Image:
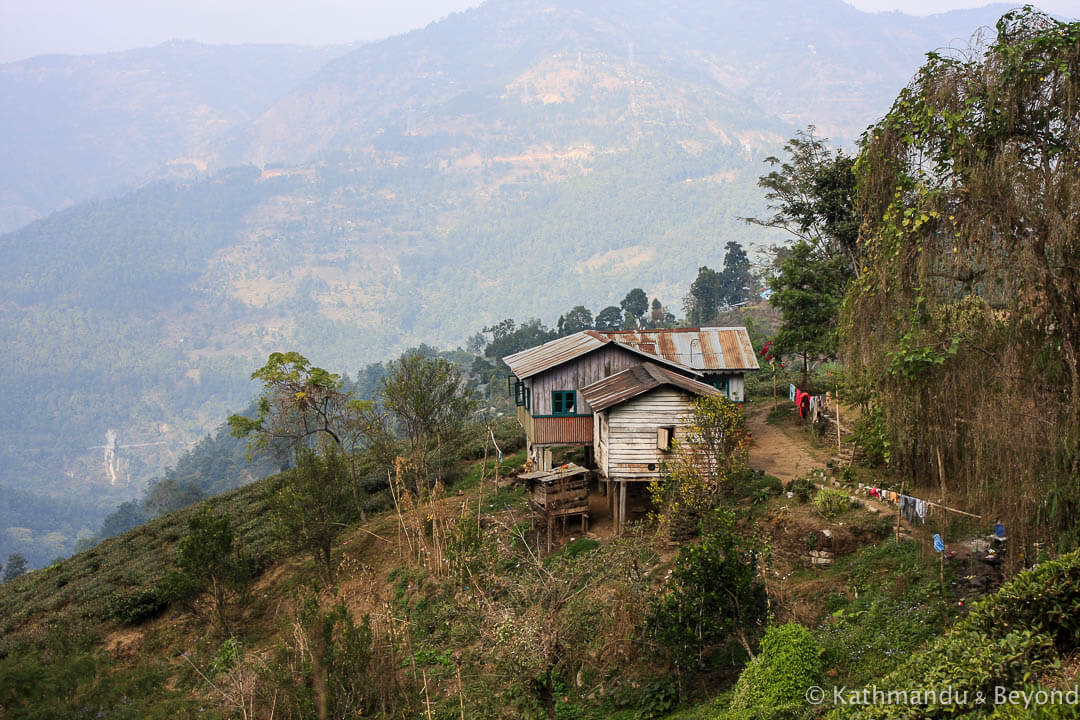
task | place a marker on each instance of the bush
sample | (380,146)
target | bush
(871,435)
(777,679)
(831,503)
(802,488)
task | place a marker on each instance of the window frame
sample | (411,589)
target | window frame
(558,400)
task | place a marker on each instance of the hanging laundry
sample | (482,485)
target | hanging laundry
(791,392)
(921,508)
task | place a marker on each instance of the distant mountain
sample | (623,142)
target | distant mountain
(510,161)
(76,128)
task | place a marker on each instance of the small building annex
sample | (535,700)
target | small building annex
(639,414)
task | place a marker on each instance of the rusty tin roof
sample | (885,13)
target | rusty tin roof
(707,349)
(534,360)
(630,383)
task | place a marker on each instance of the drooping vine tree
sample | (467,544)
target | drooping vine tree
(965,316)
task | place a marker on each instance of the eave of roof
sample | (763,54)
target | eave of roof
(553,353)
(638,380)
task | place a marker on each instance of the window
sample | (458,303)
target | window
(563,402)
(664,437)
(721,384)
(522,394)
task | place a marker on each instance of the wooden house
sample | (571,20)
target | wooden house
(547,382)
(722,355)
(638,414)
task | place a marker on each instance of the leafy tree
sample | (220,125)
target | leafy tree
(789,662)
(812,195)
(659,317)
(715,594)
(127,516)
(634,306)
(702,302)
(736,280)
(508,338)
(211,555)
(309,505)
(299,403)
(808,291)
(431,405)
(610,318)
(16,567)
(577,319)
(704,468)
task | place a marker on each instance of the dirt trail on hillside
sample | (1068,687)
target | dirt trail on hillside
(773,450)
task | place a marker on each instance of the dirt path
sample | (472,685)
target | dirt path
(773,450)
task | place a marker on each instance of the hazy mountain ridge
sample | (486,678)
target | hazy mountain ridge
(79,127)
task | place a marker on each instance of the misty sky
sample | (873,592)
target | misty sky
(35,27)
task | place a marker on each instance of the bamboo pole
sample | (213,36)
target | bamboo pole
(899,505)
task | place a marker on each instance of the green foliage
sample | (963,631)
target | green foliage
(213,558)
(430,404)
(16,566)
(310,505)
(830,502)
(705,466)
(715,594)
(964,304)
(1006,640)
(803,488)
(788,662)
(325,668)
(871,434)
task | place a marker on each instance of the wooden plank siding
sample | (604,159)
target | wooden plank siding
(576,374)
(630,433)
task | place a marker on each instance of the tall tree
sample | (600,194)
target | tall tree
(736,280)
(299,403)
(578,318)
(808,290)
(16,567)
(634,306)
(431,405)
(812,195)
(702,302)
(610,318)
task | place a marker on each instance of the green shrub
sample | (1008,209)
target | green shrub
(776,680)
(803,489)
(831,503)
(872,436)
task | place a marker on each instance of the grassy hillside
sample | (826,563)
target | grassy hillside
(438,609)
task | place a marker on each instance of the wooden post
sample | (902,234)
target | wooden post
(837,388)
(622,506)
(942,554)
(899,505)
(941,469)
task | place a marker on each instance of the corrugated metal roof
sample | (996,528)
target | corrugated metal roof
(554,352)
(634,381)
(535,360)
(707,349)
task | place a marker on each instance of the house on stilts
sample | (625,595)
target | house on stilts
(607,391)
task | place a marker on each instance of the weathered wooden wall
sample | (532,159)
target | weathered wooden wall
(578,373)
(630,435)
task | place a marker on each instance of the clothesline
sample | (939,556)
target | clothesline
(892,496)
